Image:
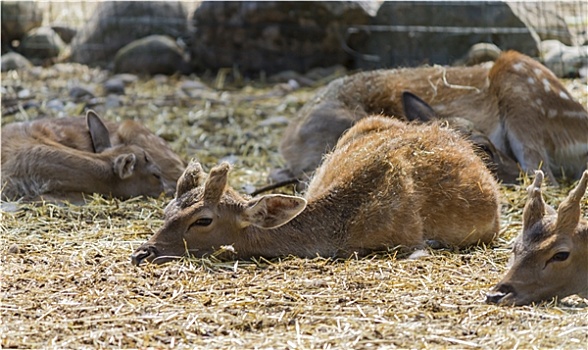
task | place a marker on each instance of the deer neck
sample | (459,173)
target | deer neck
(317,231)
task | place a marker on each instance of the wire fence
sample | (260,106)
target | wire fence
(566,21)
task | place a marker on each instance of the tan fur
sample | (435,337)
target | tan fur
(386,184)
(507,102)
(55,159)
(550,256)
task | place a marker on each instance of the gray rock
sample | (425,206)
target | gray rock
(411,33)
(56,105)
(114,86)
(126,78)
(564,61)
(155,54)
(65,32)
(273,36)
(24,94)
(548,19)
(112,101)
(79,93)
(479,53)
(14,61)
(115,24)
(41,43)
(18,18)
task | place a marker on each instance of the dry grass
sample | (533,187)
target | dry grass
(67,281)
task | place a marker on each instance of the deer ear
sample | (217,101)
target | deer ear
(568,212)
(190,178)
(124,165)
(272,211)
(535,207)
(417,109)
(98,132)
(216,183)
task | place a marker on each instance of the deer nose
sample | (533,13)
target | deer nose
(498,293)
(143,253)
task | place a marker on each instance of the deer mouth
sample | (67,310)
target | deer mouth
(501,294)
(143,253)
(498,297)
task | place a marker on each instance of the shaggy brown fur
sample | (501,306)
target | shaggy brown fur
(387,183)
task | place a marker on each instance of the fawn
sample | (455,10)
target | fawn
(60,159)
(387,183)
(516,103)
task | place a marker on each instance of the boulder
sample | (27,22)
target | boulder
(115,24)
(412,33)
(14,61)
(18,18)
(274,36)
(41,43)
(155,54)
(65,32)
(479,53)
(547,19)
(563,60)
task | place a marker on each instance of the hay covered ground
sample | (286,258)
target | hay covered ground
(67,280)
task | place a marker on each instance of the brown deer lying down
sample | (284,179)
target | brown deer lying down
(550,257)
(61,159)
(386,184)
(516,103)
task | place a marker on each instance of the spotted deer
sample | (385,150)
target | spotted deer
(516,103)
(550,256)
(60,159)
(386,184)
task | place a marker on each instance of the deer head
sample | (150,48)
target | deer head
(207,214)
(172,166)
(550,257)
(135,171)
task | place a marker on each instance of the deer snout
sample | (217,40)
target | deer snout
(144,252)
(500,294)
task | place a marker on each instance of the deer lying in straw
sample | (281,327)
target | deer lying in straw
(516,103)
(386,184)
(550,257)
(61,159)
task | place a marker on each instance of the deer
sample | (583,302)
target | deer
(550,256)
(386,184)
(64,158)
(515,105)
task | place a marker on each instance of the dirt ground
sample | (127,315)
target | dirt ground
(67,280)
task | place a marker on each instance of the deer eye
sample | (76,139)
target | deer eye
(202,222)
(561,256)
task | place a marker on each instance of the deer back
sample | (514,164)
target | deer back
(399,172)
(550,256)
